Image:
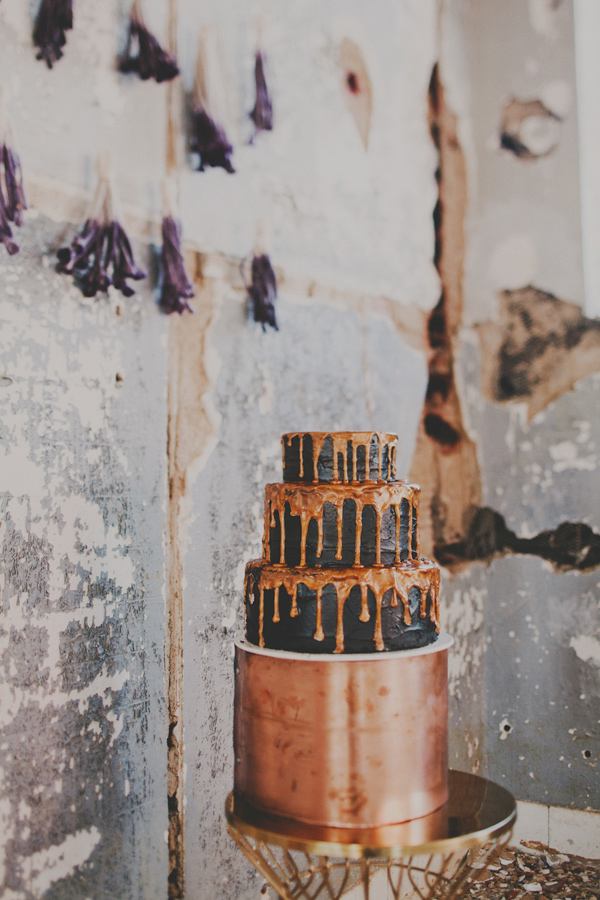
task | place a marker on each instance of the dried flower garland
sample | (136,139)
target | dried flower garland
(143,54)
(54,18)
(101,254)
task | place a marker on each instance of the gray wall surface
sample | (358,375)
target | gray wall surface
(430,283)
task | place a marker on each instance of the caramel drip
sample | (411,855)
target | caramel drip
(294,609)
(261,618)
(410,530)
(397,515)
(415,503)
(423,574)
(282,529)
(320,540)
(304,521)
(319,634)
(339,631)
(276,604)
(405,605)
(317,447)
(266,550)
(378,636)
(378,541)
(340,524)
(364,603)
(359,525)
(308,502)
(340,442)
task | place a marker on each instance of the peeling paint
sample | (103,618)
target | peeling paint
(540,348)
(587,648)
(529,129)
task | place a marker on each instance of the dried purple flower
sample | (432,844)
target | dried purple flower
(12,196)
(263,291)
(53,19)
(262,114)
(207,137)
(13,182)
(150,60)
(101,254)
(209,141)
(6,231)
(176,288)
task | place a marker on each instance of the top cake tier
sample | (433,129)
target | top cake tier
(342,457)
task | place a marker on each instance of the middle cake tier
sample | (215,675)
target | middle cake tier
(316,610)
(341,525)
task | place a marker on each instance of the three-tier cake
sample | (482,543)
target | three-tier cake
(341,684)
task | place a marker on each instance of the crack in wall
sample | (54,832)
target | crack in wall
(445,461)
(571,546)
(192,428)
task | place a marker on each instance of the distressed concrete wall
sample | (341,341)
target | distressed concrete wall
(82,744)
(430,284)
(83,493)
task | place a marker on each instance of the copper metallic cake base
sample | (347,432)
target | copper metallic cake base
(342,740)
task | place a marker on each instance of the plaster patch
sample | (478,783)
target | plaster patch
(587,648)
(542,16)
(514,263)
(265,401)
(108,94)
(557,96)
(43,868)
(565,458)
(270,452)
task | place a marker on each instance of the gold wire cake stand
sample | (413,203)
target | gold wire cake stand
(437,856)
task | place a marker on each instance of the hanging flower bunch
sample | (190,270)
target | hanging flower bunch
(54,18)
(176,288)
(143,54)
(12,195)
(263,291)
(101,254)
(262,114)
(207,136)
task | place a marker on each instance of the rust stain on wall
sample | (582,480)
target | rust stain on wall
(190,429)
(540,348)
(357,87)
(445,462)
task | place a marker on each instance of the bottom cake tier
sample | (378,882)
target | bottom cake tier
(355,610)
(342,740)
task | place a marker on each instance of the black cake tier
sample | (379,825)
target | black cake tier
(343,611)
(338,526)
(344,456)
